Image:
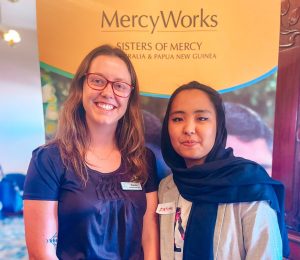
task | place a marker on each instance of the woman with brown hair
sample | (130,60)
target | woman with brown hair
(89,193)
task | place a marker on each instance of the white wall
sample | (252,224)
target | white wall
(21,111)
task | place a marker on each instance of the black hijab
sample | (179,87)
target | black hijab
(223,178)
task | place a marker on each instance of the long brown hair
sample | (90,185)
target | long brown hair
(73,135)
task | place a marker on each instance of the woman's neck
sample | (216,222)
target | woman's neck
(103,153)
(102,140)
(102,136)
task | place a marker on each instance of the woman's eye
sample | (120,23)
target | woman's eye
(176,119)
(97,81)
(202,118)
(119,86)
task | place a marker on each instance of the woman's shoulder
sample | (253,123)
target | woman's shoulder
(47,149)
(166,183)
(45,174)
(152,181)
(256,208)
(47,152)
(149,154)
(167,190)
(150,159)
(167,180)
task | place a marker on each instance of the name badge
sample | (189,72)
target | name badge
(166,208)
(131,186)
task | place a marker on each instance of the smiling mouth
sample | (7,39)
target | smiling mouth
(106,107)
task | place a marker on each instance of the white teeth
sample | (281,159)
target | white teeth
(105,106)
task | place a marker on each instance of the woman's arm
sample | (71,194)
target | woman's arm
(150,239)
(41,227)
(261,234)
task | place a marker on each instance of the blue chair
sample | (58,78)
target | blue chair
(11,191)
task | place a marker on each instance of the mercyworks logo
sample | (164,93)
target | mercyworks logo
(165,21)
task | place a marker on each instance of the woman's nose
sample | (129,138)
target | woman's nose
(108,90)
(189,128)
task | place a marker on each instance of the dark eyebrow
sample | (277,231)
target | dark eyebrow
(201,111)
(204,111)
(177,112)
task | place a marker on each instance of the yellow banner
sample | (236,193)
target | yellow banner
(220,43)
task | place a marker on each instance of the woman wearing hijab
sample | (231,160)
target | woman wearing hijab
(214,205)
